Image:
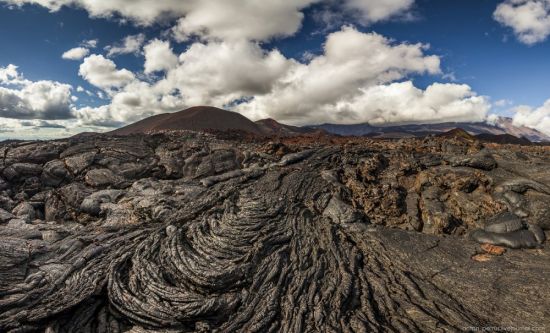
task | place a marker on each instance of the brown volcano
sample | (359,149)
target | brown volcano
(194,119)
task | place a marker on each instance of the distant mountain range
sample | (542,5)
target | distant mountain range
(203,118)
(502,126)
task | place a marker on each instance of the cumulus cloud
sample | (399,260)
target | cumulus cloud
(207,73)
(219,73)
(91,43)
(402,102)
(537,118)
(159,56)
(359,77)
(99,116)
(23,99)
(76,53)
(9,74)
(241,19)
(213,18)
(37,129)
(352,81)
(220,19)
(143,12)
(492,118)
(41,124)
(530,19)
(8,125)
(332,14)
(103,73)
(236,19)
(371,11)
(352,60)
(130,44)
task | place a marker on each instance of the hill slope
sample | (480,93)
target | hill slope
(193,119)
(273,127)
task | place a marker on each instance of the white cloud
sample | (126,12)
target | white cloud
(492,118)
(82,90)
(9,74)
(235,19)
(38,129)
(159,56)
(352,61)
(228,20)
(221,19)
(359,77)
(134,102)
(240,19)
(404,103)
(207,73)
(219,73)
(538,118)
(371,11)
(143,12)
(255,19)
(91,43)
(76,53)
(530,19)
(25,99)
(332,14)
(353,81)
(130,44)
(102,73)
(502,103)
(100,116)
(41,124)
(9,125)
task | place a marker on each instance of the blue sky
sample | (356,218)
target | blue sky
(499,54)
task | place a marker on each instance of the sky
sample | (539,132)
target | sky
(69,66)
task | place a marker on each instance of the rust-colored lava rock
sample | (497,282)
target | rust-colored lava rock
(482,257)
(196,232)
(493,249)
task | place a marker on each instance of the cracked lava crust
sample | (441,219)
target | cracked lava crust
(192,232)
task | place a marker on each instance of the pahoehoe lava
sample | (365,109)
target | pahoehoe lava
(189,232)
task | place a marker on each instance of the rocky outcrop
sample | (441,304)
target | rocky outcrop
(188,232)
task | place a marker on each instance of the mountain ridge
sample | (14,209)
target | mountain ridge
(204,118)
(501,126)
